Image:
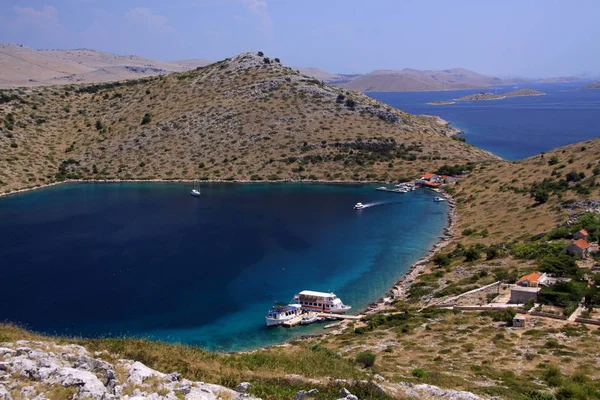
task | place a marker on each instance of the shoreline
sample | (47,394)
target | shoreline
(77,181)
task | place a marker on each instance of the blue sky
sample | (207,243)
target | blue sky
(532,38)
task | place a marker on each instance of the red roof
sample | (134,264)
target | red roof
(584,232)
(432,184)
(582,244)
(533,277)
(428,175)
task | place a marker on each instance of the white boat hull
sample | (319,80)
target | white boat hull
(195,193)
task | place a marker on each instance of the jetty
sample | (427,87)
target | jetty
(340,316)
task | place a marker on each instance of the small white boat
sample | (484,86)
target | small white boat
(320,302)
(310,318)
(196,190)
(359,206)
(438,199)
(381,188)
(282,313)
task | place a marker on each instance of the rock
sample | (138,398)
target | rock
(88,383)
(173,377)
(379,378)
(4,395)
(200,394)
(243,387)
(303,394)
(346,395)
(138,373)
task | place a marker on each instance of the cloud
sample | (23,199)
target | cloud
(254,4)
(145,17)
(259,9)
(44,18)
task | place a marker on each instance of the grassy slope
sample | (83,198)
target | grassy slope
(487,199)
(238,118)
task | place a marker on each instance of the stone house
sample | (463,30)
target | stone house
(520,294)
(579,248)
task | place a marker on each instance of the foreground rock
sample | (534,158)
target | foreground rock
(42,370)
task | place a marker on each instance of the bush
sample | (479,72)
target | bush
(528,305)
(553,160)
(260,54)
(552,375)
(471,254)
(350,103)
(340,98)
(442,260)
(366,358)
(419,373)
(99,125)
(573,177)
(147,118)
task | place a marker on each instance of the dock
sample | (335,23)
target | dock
(340,316)
(293,322)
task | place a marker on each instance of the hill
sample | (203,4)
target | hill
(24,66)
(409,80)
(593,85)
(561,79)
(246,118)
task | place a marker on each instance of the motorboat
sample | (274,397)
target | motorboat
(439,199)
(359,206)
(320,302)
(195,192)
(310,318)
(281,313)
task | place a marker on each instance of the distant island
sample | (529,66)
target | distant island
(593,85)
(493,96)
(441,102)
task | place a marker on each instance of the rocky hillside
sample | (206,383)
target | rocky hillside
(46,370)
(412,80)
(23,66)
(516,200)
(248,117)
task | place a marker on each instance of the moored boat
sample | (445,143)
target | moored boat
(280,313)
(439,199)
(321,302)
(310,318)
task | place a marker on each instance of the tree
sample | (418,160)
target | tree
(540,195)
(553,160)
(442,260)
(98,125)
(573,177)
(350,103)
(147,118)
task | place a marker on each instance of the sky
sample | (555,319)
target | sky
(526,38)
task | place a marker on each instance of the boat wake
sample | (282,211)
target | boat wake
(380,203)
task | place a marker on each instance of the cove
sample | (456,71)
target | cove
(148,260)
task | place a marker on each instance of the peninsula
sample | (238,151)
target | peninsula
(493,96)
(593,85)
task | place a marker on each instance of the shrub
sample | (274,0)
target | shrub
(340,98)
(442,260)
(573,177)
(99,125)
(366,358)
(553,160)
(528,305)
(552,375)
(147,118)
(419,373)
(350,103)
(471,254)
(260,54)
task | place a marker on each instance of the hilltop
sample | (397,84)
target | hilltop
(593,85)
(24,66)
(412,80)
(245,118)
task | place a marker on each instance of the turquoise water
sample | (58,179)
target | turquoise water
(151,261)
(515,127)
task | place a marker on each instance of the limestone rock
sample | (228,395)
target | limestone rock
(304,394)
(4,395)
(243,387)
(346,395)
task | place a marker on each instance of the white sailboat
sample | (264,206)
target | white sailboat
(196,190)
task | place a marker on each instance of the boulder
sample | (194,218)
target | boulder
(243,387)
(4,395)
(304,394)
(138,373)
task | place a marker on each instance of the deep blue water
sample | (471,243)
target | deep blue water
(149,260)
(515,127)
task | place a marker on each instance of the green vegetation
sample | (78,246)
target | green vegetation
(146,120)
(366,358)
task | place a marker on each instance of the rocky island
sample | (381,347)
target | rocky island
(441,102)
(494,96)
(593,85)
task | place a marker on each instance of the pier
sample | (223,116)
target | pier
(340,316)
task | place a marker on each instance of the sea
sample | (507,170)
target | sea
(515,127)
(149,260)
